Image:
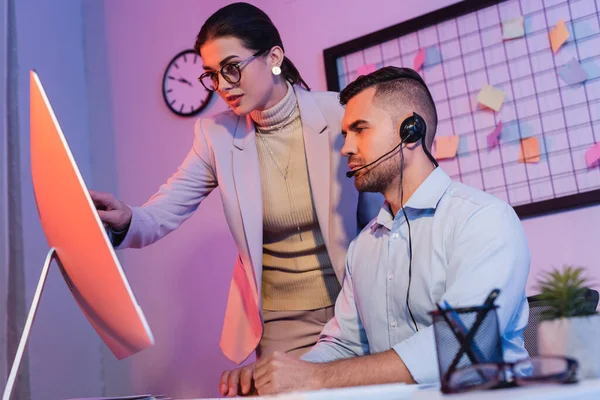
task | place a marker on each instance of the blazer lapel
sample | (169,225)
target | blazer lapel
(318,157)
(246,176)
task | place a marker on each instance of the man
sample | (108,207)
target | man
(464,243)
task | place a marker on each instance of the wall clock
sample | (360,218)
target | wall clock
(183,94)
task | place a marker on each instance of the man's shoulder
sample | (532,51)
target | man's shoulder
(461,193)
(465,202)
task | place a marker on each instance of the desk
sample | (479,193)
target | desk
(586,390)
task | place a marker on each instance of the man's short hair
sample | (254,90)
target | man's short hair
(392,86)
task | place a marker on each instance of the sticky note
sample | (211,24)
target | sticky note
(366,69)
(419,60)
(513,28)
(494,137)
(491,97)
(530,150)
(433,56)
(572,72)
(446,147)
(558,35)
(592,156)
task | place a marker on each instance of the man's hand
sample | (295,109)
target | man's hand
(237,381)
(280,372)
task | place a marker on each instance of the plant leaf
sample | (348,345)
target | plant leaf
(563,293)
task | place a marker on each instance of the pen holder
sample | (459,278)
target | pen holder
(465,336)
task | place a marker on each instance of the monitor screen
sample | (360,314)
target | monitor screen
(73,228)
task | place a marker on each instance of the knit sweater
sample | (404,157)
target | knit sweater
(297,272)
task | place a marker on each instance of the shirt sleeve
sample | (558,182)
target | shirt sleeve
(488,251)
(117,237)
(344,335)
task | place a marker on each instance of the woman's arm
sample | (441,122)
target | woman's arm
(176,200)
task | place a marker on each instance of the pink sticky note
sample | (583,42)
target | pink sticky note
(419,59)
(493,138)
(592,156)
(366,69)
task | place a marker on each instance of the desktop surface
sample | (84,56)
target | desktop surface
(585,390)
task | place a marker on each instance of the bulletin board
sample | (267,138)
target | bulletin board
(464,49)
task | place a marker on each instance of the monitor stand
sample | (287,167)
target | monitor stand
(32,311)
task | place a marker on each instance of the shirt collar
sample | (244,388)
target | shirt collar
(427,196)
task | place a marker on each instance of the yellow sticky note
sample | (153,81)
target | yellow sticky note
(530,150)
(446,147)
(558,35)
(491,97)
(513,28)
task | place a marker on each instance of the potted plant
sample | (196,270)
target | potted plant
(569,326)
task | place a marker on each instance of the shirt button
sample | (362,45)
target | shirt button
(395,236)
(393,323)
(391,276)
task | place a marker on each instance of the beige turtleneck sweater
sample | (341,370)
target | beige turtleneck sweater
(297,273)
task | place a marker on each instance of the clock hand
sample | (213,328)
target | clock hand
(183,80)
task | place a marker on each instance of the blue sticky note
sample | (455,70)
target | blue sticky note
(433,56)
(463,147)
(592,68)
(572,72)
(513,131)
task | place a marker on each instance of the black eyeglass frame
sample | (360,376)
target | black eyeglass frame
(568,376)
(214,75)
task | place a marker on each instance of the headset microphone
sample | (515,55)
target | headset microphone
(350,174)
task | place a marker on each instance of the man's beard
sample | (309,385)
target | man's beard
(379,176)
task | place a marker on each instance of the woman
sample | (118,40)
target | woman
(275,156)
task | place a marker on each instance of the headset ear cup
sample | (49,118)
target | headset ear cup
(412,129)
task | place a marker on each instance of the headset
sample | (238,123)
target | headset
(412,130)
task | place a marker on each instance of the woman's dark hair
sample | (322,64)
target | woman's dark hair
(254,28)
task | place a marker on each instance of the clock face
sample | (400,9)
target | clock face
(182,92)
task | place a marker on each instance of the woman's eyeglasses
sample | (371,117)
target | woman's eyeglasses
(231,72)
(530,371)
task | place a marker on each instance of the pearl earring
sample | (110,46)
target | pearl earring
(276,70)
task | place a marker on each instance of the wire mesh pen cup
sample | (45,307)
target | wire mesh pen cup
(464,337)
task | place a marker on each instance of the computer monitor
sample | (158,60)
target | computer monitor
(78,241)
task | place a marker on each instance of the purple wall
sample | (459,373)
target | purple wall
(182,281)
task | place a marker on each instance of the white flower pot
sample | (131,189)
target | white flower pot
(577,337)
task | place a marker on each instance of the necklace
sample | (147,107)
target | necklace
(284,171)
